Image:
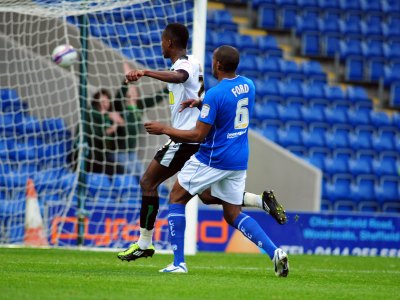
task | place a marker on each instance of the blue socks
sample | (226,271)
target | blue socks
(250,229)
(177,225)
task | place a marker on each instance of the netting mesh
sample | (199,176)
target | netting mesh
(45,133)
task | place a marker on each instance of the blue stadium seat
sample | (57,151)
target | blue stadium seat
(246,65)
(336,96)
(351,28)
(373,49)
(270,131)
(354,69)
(312,70)
(310,44)
(372,29)
(270,67)
(358,96)
(340,193)
(384,141)
(338,139)
(267,44)
(351,7)
(392,30)
(372,7)
(375,70)
(290,69)
(221,19)
(361,139)
(55,128)
(287,13)
(313,139)
(380,119)
(312,114)
(387,192)
(10,102)
(330,45)
(361,165)
(289,113)
(392,52)
(350,49)
(292,91)
(265,111)
(267,17)
(98,185)
(246,44)
(336,165)
(364,194)
(290,138)
(391,8)
(395,95)
(314,93)
(336,115)
(305,24)
(329,7)
(388,164)
(359,117)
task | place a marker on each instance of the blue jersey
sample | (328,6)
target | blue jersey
(227,107)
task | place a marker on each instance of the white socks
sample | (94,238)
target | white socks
(252,200)
(145,238)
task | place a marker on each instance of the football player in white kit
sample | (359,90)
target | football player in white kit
(184,81)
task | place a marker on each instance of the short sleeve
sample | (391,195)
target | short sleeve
(209,108)
(184,64)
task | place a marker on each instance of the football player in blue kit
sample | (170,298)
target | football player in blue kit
(218,169)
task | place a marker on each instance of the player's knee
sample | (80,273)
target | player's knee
(229,217)
(147,184)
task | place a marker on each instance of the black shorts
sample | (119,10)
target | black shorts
(174,155)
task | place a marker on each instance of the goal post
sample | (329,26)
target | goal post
(43,128)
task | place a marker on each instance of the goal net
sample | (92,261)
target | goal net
(52,122)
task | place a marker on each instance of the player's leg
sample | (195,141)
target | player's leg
(266,201)
(231,188)
(154,175)
(177,225)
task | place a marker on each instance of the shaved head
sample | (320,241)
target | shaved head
(228,57)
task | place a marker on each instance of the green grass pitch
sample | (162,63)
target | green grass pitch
(70,274)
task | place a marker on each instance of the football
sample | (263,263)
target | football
(65,55)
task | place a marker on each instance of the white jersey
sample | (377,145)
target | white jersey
(179,92)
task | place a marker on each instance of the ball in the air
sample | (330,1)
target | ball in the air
(65,55)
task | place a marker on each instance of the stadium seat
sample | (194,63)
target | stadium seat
(336,165)
(291,91)
(310,44)
(380,119)
(354,69)
(246,44)
(289,113)
(361,165)
(361,139)
(336,115)
(287,13)
(340,193)
(375,70)
(221,19)
(388,164)
(359,117)
(267,17)
(313,71)
(312,114)
(98,185)
(387,192)
(270,66)
(314,93)
(10,101)
(351,48)
(267,44)
(358,96)
(384,141)
(338,139)
(395,95)
(266,111)
(291,137)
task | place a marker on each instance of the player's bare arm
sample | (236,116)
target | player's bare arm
(196,135)
(178,76)
(190,103)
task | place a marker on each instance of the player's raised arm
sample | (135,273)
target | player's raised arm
(178,76)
